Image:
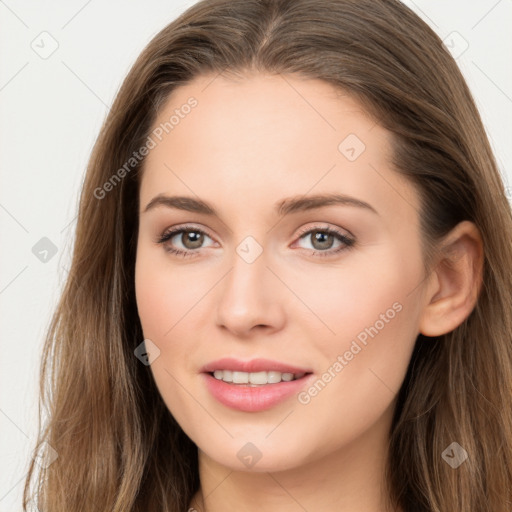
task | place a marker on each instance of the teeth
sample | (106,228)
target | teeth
(273,377)
(255,378)
(240,378)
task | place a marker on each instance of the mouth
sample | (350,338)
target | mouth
(249,397)
(256,385)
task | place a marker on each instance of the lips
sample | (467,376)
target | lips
(251,397)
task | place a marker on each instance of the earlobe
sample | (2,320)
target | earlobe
(454,286)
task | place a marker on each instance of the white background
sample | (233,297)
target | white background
(52,110)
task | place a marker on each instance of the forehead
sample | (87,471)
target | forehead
(266,110)
(266,137)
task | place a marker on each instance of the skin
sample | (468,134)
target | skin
(250,143)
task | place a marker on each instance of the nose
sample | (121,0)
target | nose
(250,298)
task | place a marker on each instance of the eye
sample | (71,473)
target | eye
(324,239)
(190,238)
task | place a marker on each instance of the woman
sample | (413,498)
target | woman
(291,284)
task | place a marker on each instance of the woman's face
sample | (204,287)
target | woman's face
(270,269)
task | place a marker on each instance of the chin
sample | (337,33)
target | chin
(257,456)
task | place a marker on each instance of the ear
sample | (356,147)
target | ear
(455,281)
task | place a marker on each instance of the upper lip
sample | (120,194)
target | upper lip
(254,365)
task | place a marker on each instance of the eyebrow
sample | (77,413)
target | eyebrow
(283,207)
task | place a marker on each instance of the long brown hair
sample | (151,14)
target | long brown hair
(119,448)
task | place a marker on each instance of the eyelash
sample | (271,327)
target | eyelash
(167,235)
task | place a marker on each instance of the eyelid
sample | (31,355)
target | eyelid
(185,227)
(325,227)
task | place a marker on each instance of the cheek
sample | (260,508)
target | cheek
(163,300)
(363,293)
(173,308)
(162,296)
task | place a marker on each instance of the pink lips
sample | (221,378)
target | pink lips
(247,398)
(254,365)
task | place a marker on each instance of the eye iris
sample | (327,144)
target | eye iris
(324,238)
(192,237)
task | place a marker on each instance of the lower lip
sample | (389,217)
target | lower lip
(253,399)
